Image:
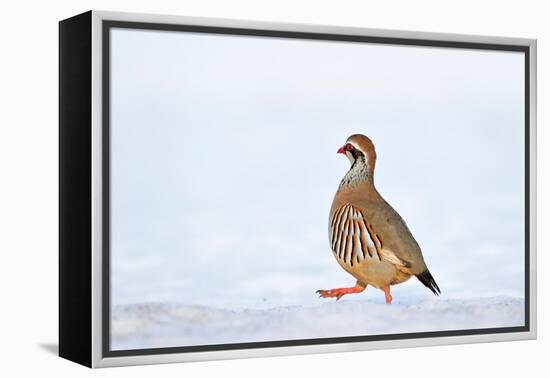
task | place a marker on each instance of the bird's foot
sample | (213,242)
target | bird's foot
(340,292)
(387,294)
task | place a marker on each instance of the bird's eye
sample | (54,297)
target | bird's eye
(349,147)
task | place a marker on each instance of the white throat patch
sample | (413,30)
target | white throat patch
(350,157)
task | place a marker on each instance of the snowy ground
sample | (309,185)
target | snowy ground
(165,325)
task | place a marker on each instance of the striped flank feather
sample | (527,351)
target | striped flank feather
(352,239)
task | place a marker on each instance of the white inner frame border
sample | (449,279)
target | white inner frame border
(97,343)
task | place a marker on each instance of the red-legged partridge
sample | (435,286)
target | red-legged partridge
(368,238)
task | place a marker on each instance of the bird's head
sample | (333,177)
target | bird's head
(359,148)
(360,151)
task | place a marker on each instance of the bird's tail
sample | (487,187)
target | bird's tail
(427,279)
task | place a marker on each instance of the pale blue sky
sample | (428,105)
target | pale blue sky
(224,164)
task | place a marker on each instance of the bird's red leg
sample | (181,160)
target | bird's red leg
(340,292)
(387,294)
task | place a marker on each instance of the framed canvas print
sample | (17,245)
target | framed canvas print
(235,189)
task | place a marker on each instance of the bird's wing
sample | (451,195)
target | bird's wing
(353,238)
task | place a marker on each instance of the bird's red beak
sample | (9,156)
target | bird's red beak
(342,150)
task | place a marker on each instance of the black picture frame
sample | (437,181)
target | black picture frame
(76,181)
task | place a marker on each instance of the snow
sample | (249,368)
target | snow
(157,325)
